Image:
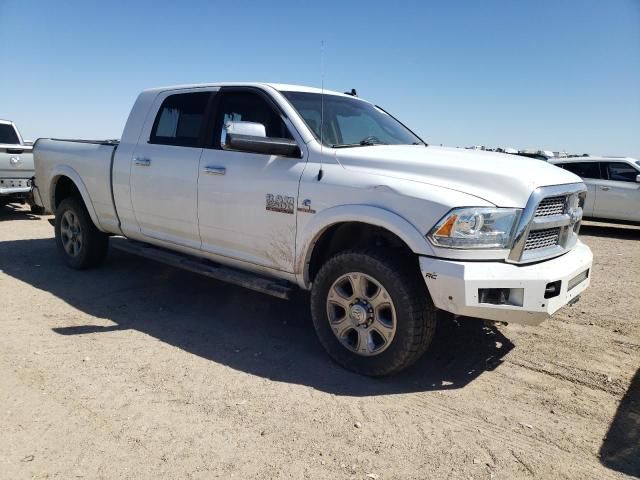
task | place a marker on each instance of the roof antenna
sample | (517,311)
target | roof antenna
(320,172)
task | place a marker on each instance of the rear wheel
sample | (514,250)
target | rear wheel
(372,313)
(81,244)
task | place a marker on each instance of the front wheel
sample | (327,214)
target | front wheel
(81,244)
(372,314)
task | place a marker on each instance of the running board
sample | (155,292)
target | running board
(251,281)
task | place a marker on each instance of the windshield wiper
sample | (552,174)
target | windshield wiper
(344,145)
(362,144)
(365,142)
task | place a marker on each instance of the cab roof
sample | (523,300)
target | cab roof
(281,87)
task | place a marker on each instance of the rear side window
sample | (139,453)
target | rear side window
(180,120)
(622,172)
(8,134)
(584,169)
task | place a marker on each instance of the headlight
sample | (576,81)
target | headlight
(479,227)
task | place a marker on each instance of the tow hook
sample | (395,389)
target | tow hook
(573,301)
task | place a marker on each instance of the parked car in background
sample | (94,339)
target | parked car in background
(613,185)
(543,155)
(16,165)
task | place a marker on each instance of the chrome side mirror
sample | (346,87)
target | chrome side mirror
(251,129)
(251,137)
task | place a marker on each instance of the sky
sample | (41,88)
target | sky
(543,74)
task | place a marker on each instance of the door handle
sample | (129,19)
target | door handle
(604,188)
(215,170)
(142,162)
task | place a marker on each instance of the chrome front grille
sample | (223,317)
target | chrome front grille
(551,206)
(549,223)
(548,237)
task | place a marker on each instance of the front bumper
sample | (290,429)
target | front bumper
(454,286)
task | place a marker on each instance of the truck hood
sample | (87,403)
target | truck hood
(502,179)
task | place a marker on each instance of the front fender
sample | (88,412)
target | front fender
(66,171)
(380,217)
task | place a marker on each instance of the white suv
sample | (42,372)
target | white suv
(613,185)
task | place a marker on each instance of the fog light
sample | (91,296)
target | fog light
(501,296)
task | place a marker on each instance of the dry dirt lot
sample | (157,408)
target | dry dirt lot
(137,370)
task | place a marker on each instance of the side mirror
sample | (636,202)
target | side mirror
(251,137)
(637,178)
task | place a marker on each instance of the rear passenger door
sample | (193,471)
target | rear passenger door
(592,177)
(165,165)
(618,194)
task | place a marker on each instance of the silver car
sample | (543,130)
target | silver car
(613,185)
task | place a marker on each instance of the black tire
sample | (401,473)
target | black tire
(92,249)
(415,315)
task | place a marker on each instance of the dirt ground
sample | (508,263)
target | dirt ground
(137,370)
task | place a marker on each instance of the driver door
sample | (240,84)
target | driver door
(247,201)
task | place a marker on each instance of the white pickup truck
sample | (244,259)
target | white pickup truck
(16,164)
(278,186)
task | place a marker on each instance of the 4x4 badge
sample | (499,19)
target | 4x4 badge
(306,207)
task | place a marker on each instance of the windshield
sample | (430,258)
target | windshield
(8,134)
(350,122)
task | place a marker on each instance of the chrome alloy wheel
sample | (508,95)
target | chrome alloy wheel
(71,233)
(361,314)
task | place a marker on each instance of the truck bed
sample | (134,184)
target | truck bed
(88,164)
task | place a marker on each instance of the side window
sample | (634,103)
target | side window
(584,169)
(250,107)
(180,119)
(622,172)
(8,134)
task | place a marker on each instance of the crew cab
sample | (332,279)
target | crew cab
(613,184)
(16,164)
(277,187)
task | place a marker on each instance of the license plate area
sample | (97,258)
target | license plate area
(577,280)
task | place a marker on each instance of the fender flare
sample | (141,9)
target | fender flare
(67,171)
(377,216)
